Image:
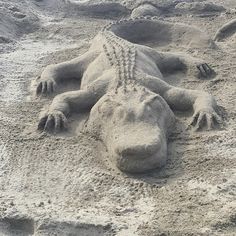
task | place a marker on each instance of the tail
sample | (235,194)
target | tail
(160,33)
(226,30)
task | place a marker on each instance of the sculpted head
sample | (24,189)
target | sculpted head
(133,126)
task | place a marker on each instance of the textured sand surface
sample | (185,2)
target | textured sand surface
(65,184)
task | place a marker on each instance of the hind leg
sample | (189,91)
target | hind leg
(56,74)
(171,62)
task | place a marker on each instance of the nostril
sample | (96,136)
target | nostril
(139,151)
(128,152)
(130,116)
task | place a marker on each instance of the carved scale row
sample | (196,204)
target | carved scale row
(122,55)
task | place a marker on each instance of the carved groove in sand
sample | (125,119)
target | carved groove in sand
(123,85)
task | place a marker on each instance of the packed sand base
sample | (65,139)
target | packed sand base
(66,184)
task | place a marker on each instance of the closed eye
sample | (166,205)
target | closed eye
(154,103)
(151,100)
(107,107)
(120,112)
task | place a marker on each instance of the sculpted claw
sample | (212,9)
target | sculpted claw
(205,119)
(42,123)
(54,121)
(205,71)
(46,87)
(39,88)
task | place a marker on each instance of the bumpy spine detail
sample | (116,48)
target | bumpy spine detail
(111,25)
(122,55)
(120,52)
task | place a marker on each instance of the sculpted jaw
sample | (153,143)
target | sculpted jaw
(141,159)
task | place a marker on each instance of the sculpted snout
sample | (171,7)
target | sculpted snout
(140,151)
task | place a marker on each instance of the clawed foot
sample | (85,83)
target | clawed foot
(54,121)
(205,71)
(205,119)
(46,87)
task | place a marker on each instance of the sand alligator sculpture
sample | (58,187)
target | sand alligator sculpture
(122,84)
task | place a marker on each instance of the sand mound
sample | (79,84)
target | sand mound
(16,19)
(22,226)
(170,8)
(145,10)
(199,7)
(52,7)
(93,8)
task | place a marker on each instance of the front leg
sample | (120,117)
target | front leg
(56,74)
(203,104)
(55,119)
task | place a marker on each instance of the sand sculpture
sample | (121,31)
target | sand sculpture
(122,83)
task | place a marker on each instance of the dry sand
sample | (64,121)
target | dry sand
(65,184)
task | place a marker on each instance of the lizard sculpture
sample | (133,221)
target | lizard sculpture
(122,83)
